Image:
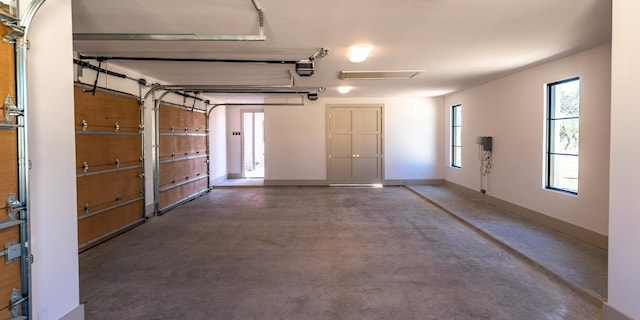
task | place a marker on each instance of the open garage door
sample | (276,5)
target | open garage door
(183,165)
(109,165)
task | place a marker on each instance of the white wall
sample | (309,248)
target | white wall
(55,281)
(218,144)
(511,110)
(296,139)
(624,219)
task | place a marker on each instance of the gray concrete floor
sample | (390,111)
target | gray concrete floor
(315,253)
(578,264)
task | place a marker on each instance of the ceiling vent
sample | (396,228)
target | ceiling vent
(379,75)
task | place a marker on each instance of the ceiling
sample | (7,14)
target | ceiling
(457,43)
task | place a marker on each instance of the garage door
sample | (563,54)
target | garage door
(183,166)
(13,228)
(109,165)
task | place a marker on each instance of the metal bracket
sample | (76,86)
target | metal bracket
(117,163)
(13,206)
(86,207)
(117,127)
(11,21)
(16,300)
(85,167)
(173,129)
(186,129)
(10,109)
(85,125)
(118,198)
(13,252)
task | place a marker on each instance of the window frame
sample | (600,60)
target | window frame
(550,134)
(456,149)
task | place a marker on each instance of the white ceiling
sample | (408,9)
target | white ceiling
(458,43)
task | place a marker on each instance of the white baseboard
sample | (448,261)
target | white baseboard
(75,314)
(611,313)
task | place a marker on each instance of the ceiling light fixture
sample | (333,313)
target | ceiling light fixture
(344,89)
(359,53)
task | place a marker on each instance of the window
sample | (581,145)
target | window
(456,136)
(563,123)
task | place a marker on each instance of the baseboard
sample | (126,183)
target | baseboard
(407,182)
(594,238)
(75,314)
(611,313)
(234,176)
(218,180)
(310,183)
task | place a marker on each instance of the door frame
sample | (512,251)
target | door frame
(329,107)
(242,130)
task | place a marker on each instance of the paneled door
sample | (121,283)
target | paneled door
(355,144)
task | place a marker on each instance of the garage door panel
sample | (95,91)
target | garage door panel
(178,171)
(96,226)
(103,111)
(104,190)
(8,167)
(110,190)
(171,196)
(9,273)
(101,152)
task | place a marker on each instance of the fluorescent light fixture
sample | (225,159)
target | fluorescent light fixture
(344,89)
(359,53)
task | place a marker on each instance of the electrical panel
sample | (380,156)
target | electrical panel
(485,142)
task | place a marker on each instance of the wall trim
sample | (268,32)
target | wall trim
(75,314)
(217,180)
(408,182)
(234,176)
(594,238)
(611,313)
(277,182)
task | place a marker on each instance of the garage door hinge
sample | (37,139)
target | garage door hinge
(16,300)
(10,109)
(13,252)
(13,206)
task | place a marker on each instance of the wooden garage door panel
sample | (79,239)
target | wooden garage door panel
(101,190)
(195,122)
(190,145)
(178,171)
(100,152)
(179,146)
(171,117)
(169,197)
(98,225)
(181,120)
(7,70)
(9,273)
(103,111)
(8,168)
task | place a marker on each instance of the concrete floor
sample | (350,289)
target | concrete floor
(580,265)
(315,253)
